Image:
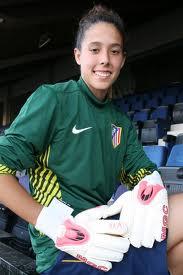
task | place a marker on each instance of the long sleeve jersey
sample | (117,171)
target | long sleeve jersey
(75,148)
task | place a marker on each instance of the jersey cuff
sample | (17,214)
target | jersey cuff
(6,170)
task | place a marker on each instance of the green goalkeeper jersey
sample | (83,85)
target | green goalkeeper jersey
(75,148)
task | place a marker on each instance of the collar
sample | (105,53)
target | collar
(84,88)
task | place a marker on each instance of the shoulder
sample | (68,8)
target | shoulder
(54,92)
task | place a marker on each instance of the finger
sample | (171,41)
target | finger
(137,226)
(149,226)
(92,213)
(128,214)
(113,227)
(116,207)
(104,254)
(111,243)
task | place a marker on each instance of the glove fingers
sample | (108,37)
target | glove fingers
(104,254)
(148,237)
(127,215)
(113,227)
(116,207)
(111,243)
(137,227)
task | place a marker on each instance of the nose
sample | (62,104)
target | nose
(104,58)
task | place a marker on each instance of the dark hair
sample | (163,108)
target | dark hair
(98,13)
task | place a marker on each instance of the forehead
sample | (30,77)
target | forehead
(102,32)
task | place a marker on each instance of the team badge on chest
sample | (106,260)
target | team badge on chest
(116,135)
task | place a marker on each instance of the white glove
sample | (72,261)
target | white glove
(93,241)
(144,211)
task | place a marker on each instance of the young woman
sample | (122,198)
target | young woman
(75,144)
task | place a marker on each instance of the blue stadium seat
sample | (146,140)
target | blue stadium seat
(137,105)
(176,156)
(161,112)
(154,102)
(169,100)
(153,130)
(157,154)
(172,173)
(141,115)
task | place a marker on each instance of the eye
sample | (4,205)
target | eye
(94,50)
(115,51)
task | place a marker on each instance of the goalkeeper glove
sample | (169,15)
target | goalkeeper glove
(144,211)
(93,241)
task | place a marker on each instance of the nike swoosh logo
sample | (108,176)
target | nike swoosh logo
(77,131)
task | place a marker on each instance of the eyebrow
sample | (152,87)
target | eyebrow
(99,43)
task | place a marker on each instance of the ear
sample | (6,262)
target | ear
(123,61)
(77,55)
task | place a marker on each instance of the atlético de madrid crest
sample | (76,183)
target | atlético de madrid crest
(116,135)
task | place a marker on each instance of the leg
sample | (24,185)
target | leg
(175,234)
(175,259)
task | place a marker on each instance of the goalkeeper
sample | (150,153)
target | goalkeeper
(75,144)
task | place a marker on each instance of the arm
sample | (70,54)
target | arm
(57,222)
(16,198)
(19,147)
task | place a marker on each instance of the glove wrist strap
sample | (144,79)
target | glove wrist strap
(51,217)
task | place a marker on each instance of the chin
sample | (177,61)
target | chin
(102,86)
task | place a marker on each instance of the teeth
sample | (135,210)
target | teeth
(102,74)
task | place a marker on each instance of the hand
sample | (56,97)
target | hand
(144,211)
(86,237)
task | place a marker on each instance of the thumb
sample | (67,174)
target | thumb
(116,207)
(91,214)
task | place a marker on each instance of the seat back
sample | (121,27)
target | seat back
(157,154)
(176,156)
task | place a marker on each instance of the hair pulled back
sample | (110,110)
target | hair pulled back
(97,14)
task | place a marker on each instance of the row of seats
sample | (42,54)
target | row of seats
(166,96)
(159,155)
(158,124)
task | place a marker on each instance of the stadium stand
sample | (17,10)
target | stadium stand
(157,116)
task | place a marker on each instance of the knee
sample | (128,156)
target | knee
(175,221)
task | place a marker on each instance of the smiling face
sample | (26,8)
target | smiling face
(100,58)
